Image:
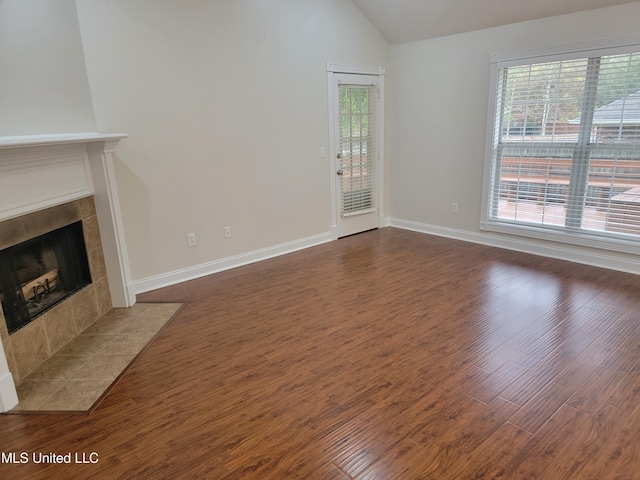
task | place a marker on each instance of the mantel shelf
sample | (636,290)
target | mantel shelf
(58,139)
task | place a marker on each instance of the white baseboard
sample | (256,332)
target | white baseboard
(190,273)
(597,259)
(602,260)
(8,394)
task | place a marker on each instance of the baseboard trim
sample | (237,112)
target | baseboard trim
(602,260)
(191,273)
(8,394)
(517,244)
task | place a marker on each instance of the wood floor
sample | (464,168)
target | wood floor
(387,355)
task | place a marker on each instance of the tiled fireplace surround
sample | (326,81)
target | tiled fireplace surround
(33,344)
(47,182)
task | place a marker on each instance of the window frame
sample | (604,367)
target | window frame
(579,237)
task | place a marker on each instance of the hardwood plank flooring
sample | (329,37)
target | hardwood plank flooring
(386,355)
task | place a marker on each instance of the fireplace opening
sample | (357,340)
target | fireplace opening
(39,273)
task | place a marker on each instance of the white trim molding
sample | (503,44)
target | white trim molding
(216,266)
(8,394)
(22,141)
(354,69)
(61,173)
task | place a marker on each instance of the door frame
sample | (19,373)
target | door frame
(334,69)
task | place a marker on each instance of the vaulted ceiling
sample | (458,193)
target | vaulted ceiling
(402,21)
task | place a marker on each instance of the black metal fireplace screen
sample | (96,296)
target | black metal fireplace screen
(37,274)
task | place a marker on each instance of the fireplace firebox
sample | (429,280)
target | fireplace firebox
(39,273)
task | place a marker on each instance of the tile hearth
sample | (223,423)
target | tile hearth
(80,372)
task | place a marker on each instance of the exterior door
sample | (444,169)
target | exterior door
(356,151)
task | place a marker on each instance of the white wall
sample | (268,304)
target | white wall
(43,81)
(226,110)
(439,98)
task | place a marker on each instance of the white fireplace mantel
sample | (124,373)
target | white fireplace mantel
(58,139)
(42,171)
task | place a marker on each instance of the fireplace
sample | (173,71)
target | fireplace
(46,244)
(37,274)
(48,182)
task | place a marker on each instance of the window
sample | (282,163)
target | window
(357,136)
(564,161)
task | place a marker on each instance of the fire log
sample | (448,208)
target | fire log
(40,285)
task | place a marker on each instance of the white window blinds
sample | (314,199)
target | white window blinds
(357,148)
(566,146)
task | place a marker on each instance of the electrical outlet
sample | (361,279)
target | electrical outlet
(454,208)
(227,232)
(191,239)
